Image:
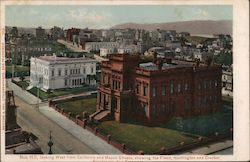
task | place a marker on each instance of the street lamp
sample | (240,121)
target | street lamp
(50,143)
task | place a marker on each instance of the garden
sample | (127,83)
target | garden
(79,105)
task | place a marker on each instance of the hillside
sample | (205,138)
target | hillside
(199,27)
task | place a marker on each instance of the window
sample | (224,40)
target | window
(66,72)
(155,110)
(205,84)
(215,83)
(59,72)
(119,84)
(52,72)
(210,99)
(163,107)
(216,99)
(199,101)
(186,86)
(210,84)
(137,88)
(92,70)
(199,86)
(163,90)
(146,109)
(154,91)
(84,70)
(65,82)
(172,106)
(145,90)
(171,88)
(186,107)
(179,87)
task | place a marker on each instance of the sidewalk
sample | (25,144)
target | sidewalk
(94,142)
(209,149)
(23,94)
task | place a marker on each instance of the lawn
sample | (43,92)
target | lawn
(78,106)
(54,93)
(59,49)
(18,70)
(60,92)
(23,84)
(42,95)
(205,125)
(148,139)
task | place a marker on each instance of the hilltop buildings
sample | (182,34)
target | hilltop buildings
(155,90)
(52,72)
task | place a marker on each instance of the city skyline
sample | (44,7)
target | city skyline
(106,16)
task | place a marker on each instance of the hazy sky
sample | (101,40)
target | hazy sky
(106,16)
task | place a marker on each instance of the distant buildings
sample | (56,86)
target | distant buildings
(52,72)
(96,46)
(227,80)
(71,32)
(151,91)
(105,51)
(57,33)
(40,33)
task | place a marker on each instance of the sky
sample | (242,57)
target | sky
(106,16)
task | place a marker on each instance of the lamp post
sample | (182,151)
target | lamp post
(50,143)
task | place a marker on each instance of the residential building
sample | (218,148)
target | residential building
(96,46)
(40,33)
(227,80)
(156,90)
(105,51)
(52,72)
(71,32)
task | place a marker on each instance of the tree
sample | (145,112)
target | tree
(22,76)
(179,123)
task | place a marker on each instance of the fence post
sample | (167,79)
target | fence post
(200,139)
(163,150)
(84,123)
(123,147)
(69,114)
(141,152)
(109,138)
(96,130)
(77,117)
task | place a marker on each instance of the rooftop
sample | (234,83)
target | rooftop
(150,66)
(55,58)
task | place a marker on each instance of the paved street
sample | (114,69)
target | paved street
(92,141)
(67,136)
(70,46)
(32,120)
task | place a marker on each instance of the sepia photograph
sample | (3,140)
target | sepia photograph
(124,81)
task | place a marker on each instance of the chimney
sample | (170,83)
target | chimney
(197,61)
(159,64)
(168,60)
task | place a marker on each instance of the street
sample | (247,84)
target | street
(30,119)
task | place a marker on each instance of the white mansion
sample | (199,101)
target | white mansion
(52,72)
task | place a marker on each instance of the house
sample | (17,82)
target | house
(156,90)
(52,72)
